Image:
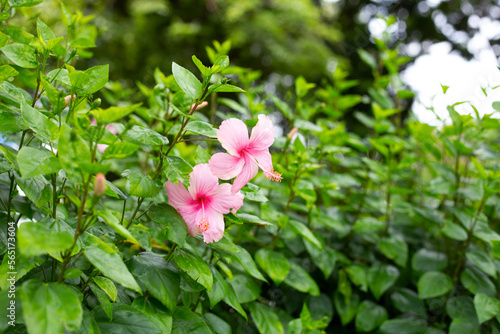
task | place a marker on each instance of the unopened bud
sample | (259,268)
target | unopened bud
(100,184)
(292,133)
(67,100)
(95,104)
(199,106)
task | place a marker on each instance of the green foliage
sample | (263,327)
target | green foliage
(393,230)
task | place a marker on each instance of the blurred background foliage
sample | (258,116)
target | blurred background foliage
(299,37)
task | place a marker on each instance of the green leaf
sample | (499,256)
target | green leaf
(205,71)
(358,276)
(44,31)
(113,191)
(11,122)
(177,169)
(33,162)
(37,189)
(202,128)
(73,152)
(24,3)
(111,218)
(126,320)
(22,55)
(98,76)
(461,307)
(225,88)
(219,288)
(140,185)
(157,276)
(194,266)
(141,135)
(394,248)
(4,39)
(7,72)
(406,325)
(103,300)
(454,231)
(109,262)
(407,301)
(486,307)
(216,324)
(36,239)
(48,307)
(120,150)
(305,232)
(156,312)
(370,316)
(463,326)
(186,321)
(39,123)
(368,59)
(231,299)
(187,81)
(56,96)
(346,308)
(476,281)
(245,259)
(274,264)
(245,288)
(482,260)
(427,260)
(325,258)
(169,218)
(381,278)
(300,280)
(107,285)
(113,114)
(266,321)
(433,284)
(220,63)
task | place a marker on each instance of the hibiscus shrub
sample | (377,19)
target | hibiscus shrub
(203,206)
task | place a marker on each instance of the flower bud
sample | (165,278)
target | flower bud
(95,104)
(292,133)
(67,100)
(199,106)
(100,184)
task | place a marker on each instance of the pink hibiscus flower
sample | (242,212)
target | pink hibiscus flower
(204,202)
(245,155)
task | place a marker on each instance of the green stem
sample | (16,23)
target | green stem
(77,232)
(170,252)
(139,203)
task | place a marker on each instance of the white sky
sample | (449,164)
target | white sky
(443,66)
(465,79)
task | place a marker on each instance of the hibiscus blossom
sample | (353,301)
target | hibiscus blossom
(245,155)
(204,202)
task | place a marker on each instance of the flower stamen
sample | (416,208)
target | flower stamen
(203,224)
(272,175)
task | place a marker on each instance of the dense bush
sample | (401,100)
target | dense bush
(394,231)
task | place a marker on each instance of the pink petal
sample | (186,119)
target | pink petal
(233,136)
(223,201)
(111,128)
(202,182)
(181,200)
(225,166)
(262,134)
(215,229)
(102,147)
(247,173)
(190,214)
